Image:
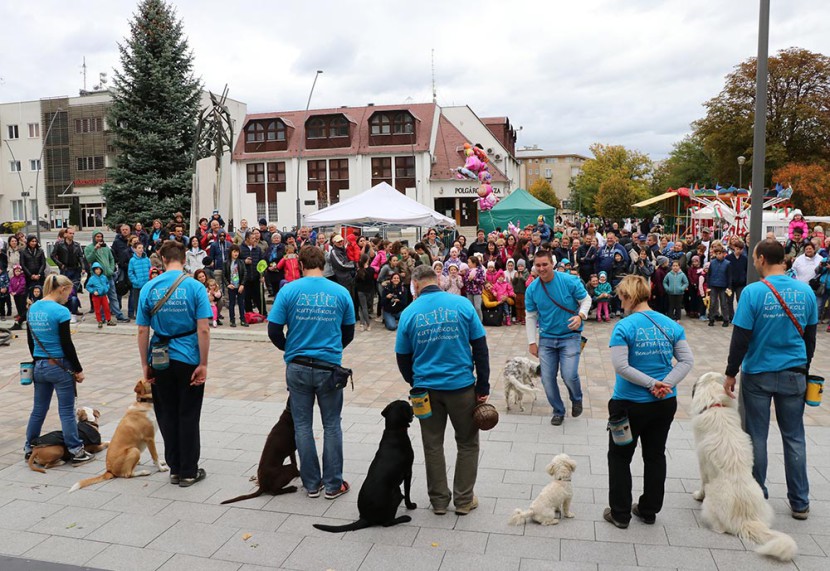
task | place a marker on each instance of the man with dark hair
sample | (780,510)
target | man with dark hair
(320,317)
(559,303)
(435,335)
(251,254)
(122,252)
(773,342)
(479,246)
(175,359)
(69,257)
(178,235)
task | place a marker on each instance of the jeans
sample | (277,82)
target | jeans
(178,407)
(560,355)
(304,384)
(236,299)
(675,305)
(132,302)
(719,302)
(786,389)
(476,301)
(115,301)
(365,299)
(390,320)
(74,274)
(46,379)
(650,424)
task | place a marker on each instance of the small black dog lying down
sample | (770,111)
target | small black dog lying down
(380,494)
(273,475)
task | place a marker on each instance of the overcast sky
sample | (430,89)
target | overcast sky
(632,72)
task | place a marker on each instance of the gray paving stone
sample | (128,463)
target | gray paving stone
(190,538)
(636,534)
(398,535)
(524,547)
(727,560)
(454,560)
(315,553)
(23,514)
(451,540)
(261,548)
(807,563)
(701,537)
(247,520)
(543,565)
(132,486)
(506,461)
(197,493)
(682,557)
(125,558)
(565,529)
(597,552)
(384,557)
(190,511)
(180,562)
(298,504)
(303,524)
(19,542)
(133,529)
(73,521)
(65,550)
(489,523)
(425,518)
(130,503)
(84,498)
(501,490)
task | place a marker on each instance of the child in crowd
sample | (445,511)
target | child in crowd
(452,282)
(207,267)
(5,296)
(798,222)
(720,278)
(154,272)
(675,284)
(591,288)
(696,274)
(98,286)
(139,274)
(493,273)
(504,294)
(215,295)
(17,289)
(365,289)
(234,276)
(519,288)
(659,301)
(289,265)
(474,282)
(603,297)
(35,294)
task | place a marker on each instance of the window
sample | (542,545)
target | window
(254,133)
(275,131)
(17,210)
(339,169)
(14,133)
(89,125)
(14,166)
(381,125)
(575,171)
(404,173)
(34,130)
(90,163)
(316,171)
(276,173)
(381,170)
(318,182)
(548,173)
(403,124)
(34,165)
(256,173)
(316,128)
(339,127)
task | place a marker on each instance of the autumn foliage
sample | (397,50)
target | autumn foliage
(811,187)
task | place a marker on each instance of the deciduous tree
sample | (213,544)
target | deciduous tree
(616,196)
(609,161)
(542,190)
(811,187)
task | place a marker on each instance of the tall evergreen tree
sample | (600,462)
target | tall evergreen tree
(153,119)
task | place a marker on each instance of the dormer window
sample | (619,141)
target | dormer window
(275,131)
(392,128)
(316,128)
(264,135)
(403,124)
(255,132)
(339,127)
(381,124)
(328,131)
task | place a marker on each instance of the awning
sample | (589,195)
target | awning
(654,199)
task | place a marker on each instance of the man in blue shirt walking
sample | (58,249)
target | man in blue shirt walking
(435,334)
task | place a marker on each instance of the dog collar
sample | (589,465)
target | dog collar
(145,399)
(568,479)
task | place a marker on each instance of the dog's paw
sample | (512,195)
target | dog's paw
(163,467)
(698,495)
(411,506)
(549,522)
(570,515)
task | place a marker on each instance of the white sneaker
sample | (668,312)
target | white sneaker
(73,320)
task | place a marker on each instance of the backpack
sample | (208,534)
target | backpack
(254,317)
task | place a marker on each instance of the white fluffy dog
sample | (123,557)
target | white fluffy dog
(519,374)
(733,502)
(555,497)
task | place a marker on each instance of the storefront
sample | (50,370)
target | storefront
(459,200)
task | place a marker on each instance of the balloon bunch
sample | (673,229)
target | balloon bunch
(476,168)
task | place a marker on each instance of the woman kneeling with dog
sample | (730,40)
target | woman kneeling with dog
(56,365)
(644,400)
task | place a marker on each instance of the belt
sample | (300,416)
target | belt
(313,363)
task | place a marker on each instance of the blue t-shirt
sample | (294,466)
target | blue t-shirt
(43,318)
(775,344)
(650,350)
(179,314)
(567,290)
(436,329)
(315,309)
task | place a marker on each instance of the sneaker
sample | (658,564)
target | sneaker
(111,323)
(100,324)
(711,324)
(556,420)
(368,327)
(82,457)
(17,327)
(314,493)
(344,488)
(243,323)
(28,455)
(439,511)
(362,327)
(123,320)
(187,482)
(73,320)
(233,323)
(213,324)
(576,409)
(464,510)
(725,324)
(648,520)
(607,516)
(174,479)
(802,515)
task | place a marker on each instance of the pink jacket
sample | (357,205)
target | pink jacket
(493,277)
(799,224)
(452,285)
(291,267)
(378,262)
(503,290)
(17,283)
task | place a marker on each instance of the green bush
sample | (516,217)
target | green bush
(11,227)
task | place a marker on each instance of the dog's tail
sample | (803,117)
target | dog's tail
(89,481)
(771,543)
(354,526)
(526,389)
(244,497)
(519,517)
(32,465)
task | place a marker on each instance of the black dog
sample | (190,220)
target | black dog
(380,494)
(272,476)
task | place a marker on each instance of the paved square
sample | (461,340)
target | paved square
(146,524)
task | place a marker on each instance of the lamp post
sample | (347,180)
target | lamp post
(300,151)
(741,161)
(37,174)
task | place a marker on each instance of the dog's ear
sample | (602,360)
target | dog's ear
(539,369)
(138,389)
(551,468)
(96,413)
(571,464)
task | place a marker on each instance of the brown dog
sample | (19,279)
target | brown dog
(134,433)
(143,391)
(50,456)
(272,476)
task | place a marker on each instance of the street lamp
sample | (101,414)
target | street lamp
(37,174)
(741,161)
(300,151)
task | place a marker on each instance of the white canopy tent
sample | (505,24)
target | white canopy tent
(381,204)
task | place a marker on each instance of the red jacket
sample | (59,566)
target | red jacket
(291,267)
(352,250)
